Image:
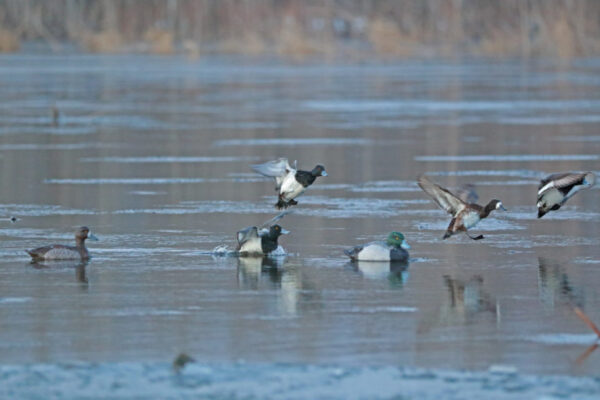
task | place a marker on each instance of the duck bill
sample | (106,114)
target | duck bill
(93,237)
(405,245)
(541,213)
(284,231)
(503,208)
(324,173)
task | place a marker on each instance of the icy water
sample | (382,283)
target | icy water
(153,154)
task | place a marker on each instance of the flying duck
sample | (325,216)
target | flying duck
(556,189)
(262,240)
(464,215)
(290,182)
(62,252)
(393,249)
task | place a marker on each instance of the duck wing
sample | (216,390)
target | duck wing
(270,222)
(568,183)
(246,234)
(40,252)
(443,197)
(277,169)
(467,193)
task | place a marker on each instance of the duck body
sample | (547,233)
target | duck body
(259,241)
(289,181)
(393,249)
(556,189)
(62,252)
(464,215)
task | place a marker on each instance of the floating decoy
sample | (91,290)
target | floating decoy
(290,182)
(554,190)
(393,249)
(464,215)
(62,252)
(262,240)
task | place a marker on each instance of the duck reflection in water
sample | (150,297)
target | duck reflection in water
(79,267)
(395,272)
(555,289)
(467,299)
(294,293)
(554,286)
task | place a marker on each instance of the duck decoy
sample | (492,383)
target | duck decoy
(554,190)
(62,252)
(464,215)
(393,249)
(290,182)
(258,241)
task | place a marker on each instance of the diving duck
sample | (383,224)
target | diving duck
(62,252)
(290,182)
(464,215)
(393,249)
(262,240)
(554,190)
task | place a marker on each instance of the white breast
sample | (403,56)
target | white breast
(291,188)
(374,252)
(253,246)
(62,254)
(471,219)
(552,197)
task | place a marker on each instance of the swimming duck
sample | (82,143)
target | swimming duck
(290,182)
(464,215)
(554,190)
(393,249)
(61,252)
(262,240)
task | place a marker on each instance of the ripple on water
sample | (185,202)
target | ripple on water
(166,159)
(510,158)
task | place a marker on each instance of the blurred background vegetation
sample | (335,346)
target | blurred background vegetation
(309,28)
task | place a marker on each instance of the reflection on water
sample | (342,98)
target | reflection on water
(154,153)
(78,266)
(395,272)
(554,286)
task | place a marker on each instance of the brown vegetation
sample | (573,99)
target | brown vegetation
(311,28)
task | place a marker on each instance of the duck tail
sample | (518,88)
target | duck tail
(281,204)
(352,253)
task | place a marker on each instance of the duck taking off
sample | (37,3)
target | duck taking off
(259,241)
(62,252)
(464,215)
(290,182)
(554,190)
(393,249)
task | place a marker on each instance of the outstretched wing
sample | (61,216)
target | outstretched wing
(353,252)
(270,222)
(441,196)
(567,183)
(277,169)
(246,234)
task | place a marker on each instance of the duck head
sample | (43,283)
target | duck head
(494,205)
(396,239)
(84,233)
(319,170)
(275,231)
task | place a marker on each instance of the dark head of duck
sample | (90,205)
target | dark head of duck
(84,233)
(319,170)
(269,241)
(491,206)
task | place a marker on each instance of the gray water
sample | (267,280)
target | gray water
(153,154)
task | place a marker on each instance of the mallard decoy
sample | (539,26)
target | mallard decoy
(554,190)
(289,181)
(464,215)
(62,252)
(393,249)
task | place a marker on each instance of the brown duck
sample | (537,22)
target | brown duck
(464,215)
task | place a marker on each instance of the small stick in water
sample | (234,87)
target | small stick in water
(579,312)
(180,361)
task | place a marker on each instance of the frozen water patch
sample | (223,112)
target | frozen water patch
(386,187)
(563,338)
(579,138)
(487,225)
(137,312)
(59,146)
(277,381)
(390,309)
(124,181)
(166,159)
(146,193)
(33,210)
(295,142)
(510,158)
(14,300)
(516,173)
